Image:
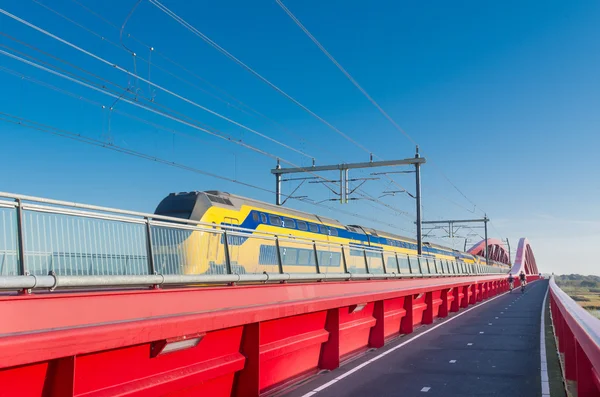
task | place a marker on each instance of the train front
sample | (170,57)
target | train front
(185,247)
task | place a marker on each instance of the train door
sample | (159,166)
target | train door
(234,241)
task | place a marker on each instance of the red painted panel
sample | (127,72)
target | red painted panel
(130,368)
(355,327)
(419,306)
(450,299)
(290,346)
(437,302)
(290,366)
(393,313)
(218,387)
(26,380)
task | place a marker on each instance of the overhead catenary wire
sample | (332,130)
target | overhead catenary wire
(134,75)
(139,105)
(212,43)
(27,123)
(166,10)
(100,105)
(134,103)
(37,28)
(365,93)
(198,33)
(336,63)
(239,105)
(120,89)
(142,79)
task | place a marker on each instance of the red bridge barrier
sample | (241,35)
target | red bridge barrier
(578,334)
(218,341)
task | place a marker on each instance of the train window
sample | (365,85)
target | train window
(289,256)
(255,217)
(289,223)
(313,228)
(302,225)
(334,232)
(263,218)
(275,220)
(324,230)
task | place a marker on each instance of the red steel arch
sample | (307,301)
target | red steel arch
(496,249)
(525,260)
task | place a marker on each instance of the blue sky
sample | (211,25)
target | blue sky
(503,97)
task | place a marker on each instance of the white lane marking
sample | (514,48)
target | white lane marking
(469,344)
(385,353)
(325,386)
(544,365)
(481,332)
(452,361)
(489,323)
(425,389)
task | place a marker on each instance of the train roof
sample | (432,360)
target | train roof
(205,199)
(238,201)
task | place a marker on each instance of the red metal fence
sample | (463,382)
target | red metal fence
(578,334)
(218,341)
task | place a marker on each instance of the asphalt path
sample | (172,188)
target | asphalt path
(491,349)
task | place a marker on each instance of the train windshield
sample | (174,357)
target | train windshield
(177,205)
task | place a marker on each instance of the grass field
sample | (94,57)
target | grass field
(585,290)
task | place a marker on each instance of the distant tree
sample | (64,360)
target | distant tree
(588,284)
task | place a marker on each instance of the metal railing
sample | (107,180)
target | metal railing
(49,243)
(578,336)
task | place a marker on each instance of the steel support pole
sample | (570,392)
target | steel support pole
(487,251)
(278,186)
(418,199)
(346,173)
(343,191)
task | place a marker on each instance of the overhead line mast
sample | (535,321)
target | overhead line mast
(345,192)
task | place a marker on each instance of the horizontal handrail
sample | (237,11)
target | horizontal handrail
(585,327)
(52,282)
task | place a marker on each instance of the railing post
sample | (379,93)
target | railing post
(366,260)
(419,263)
(383,263)
(279,261)
(227,257)
(344,259)
(149,249)
(409,264)
(316,258)
(397,263)
(21,238)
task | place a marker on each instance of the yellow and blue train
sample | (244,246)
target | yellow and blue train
(304,241)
